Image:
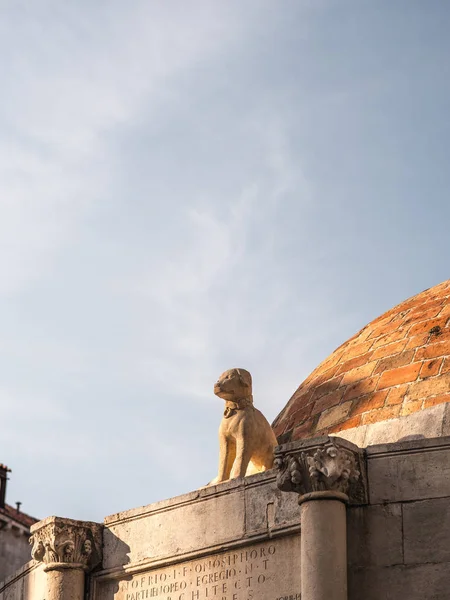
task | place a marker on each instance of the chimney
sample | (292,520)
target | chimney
(3,479)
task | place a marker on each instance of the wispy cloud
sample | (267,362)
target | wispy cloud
(214,295)
(73,79)
(186,187)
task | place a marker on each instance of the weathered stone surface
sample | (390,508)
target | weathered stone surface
(267,508)
(446,420)
(430,387)
(426,526)
(264,571)
(355,435)
(14,547)
(324,549)
(241,540)
(420,582)
(406,471)
(375,535)
(334,415)
(27,583)
(246,440)
(322,464)
(429,423)
(181,543)
(171,528)
(65,583)
(208,518)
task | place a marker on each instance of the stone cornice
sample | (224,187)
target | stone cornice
(65,543)
(324,464)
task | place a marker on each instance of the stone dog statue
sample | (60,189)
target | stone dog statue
(246,440)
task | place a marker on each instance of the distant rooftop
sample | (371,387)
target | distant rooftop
(18,516)
(14,514)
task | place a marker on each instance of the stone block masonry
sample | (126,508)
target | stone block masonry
(371,524)
(398,544)
(250,572)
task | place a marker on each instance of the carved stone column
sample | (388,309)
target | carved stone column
(327,473)
(69,549)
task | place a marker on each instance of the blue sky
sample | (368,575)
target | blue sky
(191,186)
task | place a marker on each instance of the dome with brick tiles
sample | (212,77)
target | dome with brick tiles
(397,365)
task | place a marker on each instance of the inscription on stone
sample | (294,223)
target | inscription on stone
(269,571)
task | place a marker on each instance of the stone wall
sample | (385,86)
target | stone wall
(241,540)
(14,549)
(227,541)
(399,545)
(28,583)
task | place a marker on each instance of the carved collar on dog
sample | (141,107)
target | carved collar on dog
(231,407)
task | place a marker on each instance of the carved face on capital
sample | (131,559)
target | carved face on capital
(87,548)
(234,384)
(68,551)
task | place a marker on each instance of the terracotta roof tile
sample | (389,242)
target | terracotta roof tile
(18,516)
(405,353)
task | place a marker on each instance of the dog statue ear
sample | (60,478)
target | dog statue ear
(241,379)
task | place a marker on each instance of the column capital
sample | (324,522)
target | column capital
(65,543)
(330,465)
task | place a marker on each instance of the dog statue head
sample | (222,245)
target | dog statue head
(234,385)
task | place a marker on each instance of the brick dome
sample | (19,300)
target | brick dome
(395,366)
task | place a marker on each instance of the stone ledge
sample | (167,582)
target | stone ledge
(236,512)
(202,494)
(429,423)
(409,471)
(24,570)
(160,562)
(428,581)
(408,447)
